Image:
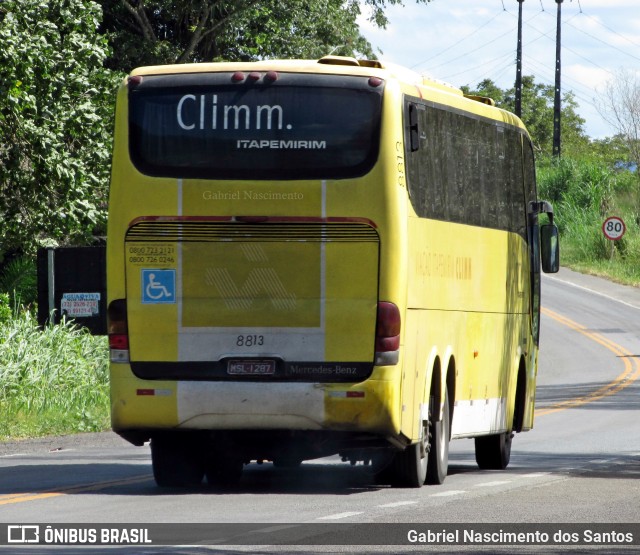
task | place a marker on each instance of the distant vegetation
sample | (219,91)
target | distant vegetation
(584,193)
(52,381)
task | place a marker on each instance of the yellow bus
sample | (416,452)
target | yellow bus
(311,258)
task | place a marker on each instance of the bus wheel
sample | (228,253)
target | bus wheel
(493,452)
(177,462)
(408,469)
(439,450)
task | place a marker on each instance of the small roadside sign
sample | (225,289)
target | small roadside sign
(80,305)
(614,228)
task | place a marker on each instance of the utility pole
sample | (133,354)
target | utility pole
(557,98)
(519,63)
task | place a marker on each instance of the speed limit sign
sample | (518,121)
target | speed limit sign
(613,228)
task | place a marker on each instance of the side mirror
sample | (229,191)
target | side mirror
(549,249)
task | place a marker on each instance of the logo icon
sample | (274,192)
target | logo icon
(260,281)
(23,533)
(158,286)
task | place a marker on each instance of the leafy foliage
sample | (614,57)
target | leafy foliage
(55,113)
(584,192)
(585,185)
(18,280)
(5,309)
(291,30)
(148,32)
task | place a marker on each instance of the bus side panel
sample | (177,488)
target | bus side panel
(469,288)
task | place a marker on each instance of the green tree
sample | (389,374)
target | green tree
(292,29)
(614,151)
(620,106)
(148,32)
(537,113)
(55,121)
(487,88)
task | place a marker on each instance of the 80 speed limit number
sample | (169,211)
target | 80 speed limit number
(613,228)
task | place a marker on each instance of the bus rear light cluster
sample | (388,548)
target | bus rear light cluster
(387,334)
(254,76)
(118,331)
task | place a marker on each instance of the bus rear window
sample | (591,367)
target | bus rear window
(297,127)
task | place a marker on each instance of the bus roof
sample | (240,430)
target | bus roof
(342,65)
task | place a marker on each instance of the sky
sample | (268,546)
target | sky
(463,42)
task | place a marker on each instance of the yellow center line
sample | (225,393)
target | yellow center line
(626,378)
(97,486)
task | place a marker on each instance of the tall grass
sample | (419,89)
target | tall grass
(584,193)
(52,380)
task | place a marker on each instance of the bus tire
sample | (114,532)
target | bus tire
(176,462)
(408,469)
(439,432)
(493,452)
(410,466)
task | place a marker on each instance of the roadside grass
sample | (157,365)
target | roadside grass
(53,380)
(584,193)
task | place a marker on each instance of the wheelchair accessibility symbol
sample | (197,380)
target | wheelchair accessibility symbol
(158,286)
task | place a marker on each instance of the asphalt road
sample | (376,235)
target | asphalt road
(580,464)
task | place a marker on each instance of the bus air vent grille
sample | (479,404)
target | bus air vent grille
(206,231)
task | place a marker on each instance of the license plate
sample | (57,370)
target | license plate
(251,367)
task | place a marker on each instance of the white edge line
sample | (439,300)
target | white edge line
(397,504)
(338,516)
(609,297)
(491,484)
(449,493)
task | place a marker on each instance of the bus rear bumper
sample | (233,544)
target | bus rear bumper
(367,407)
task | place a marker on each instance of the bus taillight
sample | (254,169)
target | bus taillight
(118,331)
(387,334)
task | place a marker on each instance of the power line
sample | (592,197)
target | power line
(501,63)
(576,88)
(459,41)
(605,42)
(596,20)
(465,55)
(565,47)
